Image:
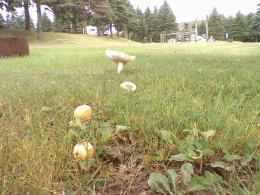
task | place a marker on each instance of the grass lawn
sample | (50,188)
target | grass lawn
(196,104)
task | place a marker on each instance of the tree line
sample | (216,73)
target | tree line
(239,28)
(73,16)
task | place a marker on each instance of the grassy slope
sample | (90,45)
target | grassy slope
(181,86)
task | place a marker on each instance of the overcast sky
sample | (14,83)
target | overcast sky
(189,10)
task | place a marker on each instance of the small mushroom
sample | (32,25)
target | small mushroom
(82,151)
(128,86)
(120,58)
(83,113)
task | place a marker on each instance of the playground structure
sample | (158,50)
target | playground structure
(188,33)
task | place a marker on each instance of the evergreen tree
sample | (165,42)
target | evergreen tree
(216,26)
(238,27)
(155,21)
(2,21)
(166,18)
(15,22)
(60,26)
(148,22)
(227,26)
(201,27)
(140,27)
(121,14)
(254,26)
(46,23)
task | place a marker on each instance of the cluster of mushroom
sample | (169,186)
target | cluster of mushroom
(83,150)
(122,59)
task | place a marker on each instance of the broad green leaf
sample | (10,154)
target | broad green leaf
(212,178)
(208,152)
(208,134)
(186,171)
(173,177)
(167,136)
(232,157)
(189,140)
(192,154)
(159,183)
(179,157)
(202,183)
(222,165)
(195,185)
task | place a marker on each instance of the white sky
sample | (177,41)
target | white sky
(185,10)
(189,10)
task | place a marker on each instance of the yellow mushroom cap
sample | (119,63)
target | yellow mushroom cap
(83,113)
(83,151)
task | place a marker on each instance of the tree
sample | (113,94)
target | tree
(166,18)
(3,4)
(227,25)
(148,22)
(2,21)
(202,27)
(27,15)
(254,26)
(15,22)
(139,31)
(155,21)
(216,26)
(39,21)
(46,23)
(238,27)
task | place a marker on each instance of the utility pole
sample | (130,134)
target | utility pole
(207,29)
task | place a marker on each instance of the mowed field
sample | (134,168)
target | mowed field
(196,104)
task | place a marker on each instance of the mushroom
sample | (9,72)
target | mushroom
(120,58)
(82,151)
(83,113)
(128,86)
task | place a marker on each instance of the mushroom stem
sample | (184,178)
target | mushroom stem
(120,67)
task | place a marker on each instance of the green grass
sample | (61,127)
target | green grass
(194,86)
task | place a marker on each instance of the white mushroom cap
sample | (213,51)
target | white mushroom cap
(129,86)
(117,56)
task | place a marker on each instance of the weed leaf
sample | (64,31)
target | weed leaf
(222,165)
(195,185)
(208,134)
(194,155)
(202,183)
(186,171)
(232,157)
(179,157)
(173,177)
(167,136)
(159,183)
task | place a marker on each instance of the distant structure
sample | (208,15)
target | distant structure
(189,33)
(93,30)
